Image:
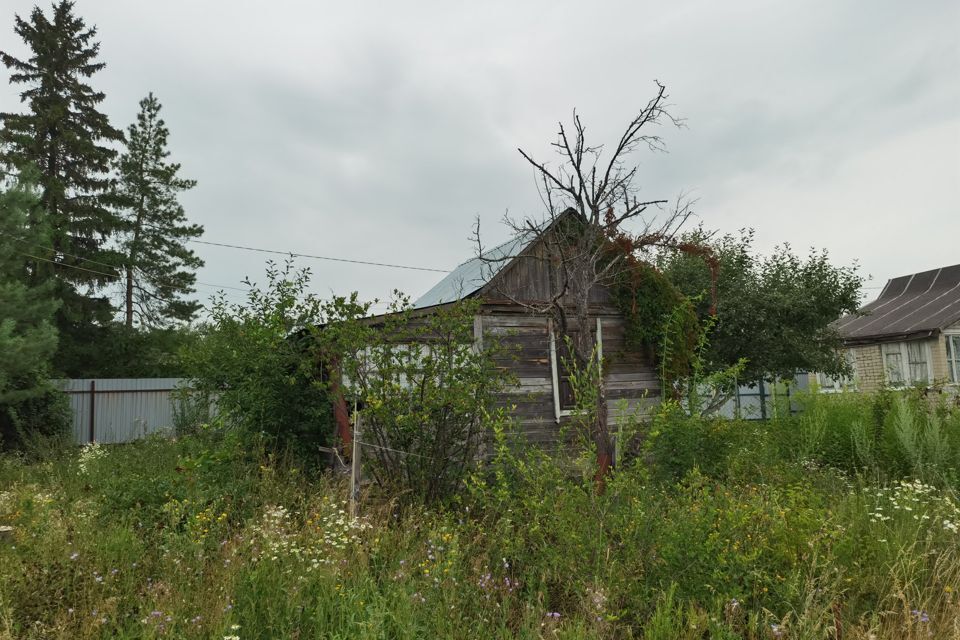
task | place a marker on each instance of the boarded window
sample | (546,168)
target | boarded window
(564,382)
(893,364)
(562,369)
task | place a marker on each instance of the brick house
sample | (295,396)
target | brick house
(908,336)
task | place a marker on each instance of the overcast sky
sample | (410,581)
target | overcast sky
(379,131)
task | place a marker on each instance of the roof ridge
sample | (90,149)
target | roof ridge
(490,250)
(516,236)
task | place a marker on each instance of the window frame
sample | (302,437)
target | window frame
(952,339)
(844,383)
(903,350)
(559,412)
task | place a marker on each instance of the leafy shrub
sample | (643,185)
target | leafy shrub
(677,443)
(426,394)
(37,419)
(257,360)
(278,364)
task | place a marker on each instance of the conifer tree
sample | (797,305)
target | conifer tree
(159,268)
(28,338)
(65,136)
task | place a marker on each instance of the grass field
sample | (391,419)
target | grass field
(842,522)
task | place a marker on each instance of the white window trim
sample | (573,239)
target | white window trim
(555,369)
(905,363)
(955,364)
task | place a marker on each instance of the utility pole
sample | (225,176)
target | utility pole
(355,464)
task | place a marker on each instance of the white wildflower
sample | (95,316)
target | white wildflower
(89,454)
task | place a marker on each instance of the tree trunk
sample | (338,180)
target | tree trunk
(586,352)
(602,439)
(131,260)
(128,299)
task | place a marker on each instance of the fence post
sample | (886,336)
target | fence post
(93,402)
(763,402)
(355,465)
(736,398)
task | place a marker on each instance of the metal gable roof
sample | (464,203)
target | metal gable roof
(472,275)
(909,306)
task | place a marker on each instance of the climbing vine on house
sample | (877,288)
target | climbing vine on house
(660,320)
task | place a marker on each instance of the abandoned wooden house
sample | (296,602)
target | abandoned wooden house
(509,281)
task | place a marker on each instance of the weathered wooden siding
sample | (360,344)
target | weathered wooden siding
(630,377)
(528,278)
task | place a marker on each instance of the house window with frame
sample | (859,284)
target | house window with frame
(560,359)
(830,384)
(917,361)
(953,356)
(906,362)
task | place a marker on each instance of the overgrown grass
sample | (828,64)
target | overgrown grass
(787,529)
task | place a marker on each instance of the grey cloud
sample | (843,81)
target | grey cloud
(379,133)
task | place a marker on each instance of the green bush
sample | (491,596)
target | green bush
(677,443)
(39,419)
(426,395)
(257,362)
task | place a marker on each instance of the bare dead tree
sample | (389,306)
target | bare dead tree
(599,196)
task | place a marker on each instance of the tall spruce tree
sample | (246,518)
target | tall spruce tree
(159,268)
(65,136)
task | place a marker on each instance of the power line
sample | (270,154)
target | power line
(315,257)
(40,246)
(117,276)
(71,266)
(404,453)
(222,286)
(104,264)
(245,248)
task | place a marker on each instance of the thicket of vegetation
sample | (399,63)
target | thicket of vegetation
(840,521)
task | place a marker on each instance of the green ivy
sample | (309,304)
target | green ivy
(659,319)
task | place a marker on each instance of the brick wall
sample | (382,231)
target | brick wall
(868,366)
(938,347)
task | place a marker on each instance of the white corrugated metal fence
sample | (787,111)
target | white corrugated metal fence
(114,410)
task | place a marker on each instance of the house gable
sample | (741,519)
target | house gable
(512,280)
